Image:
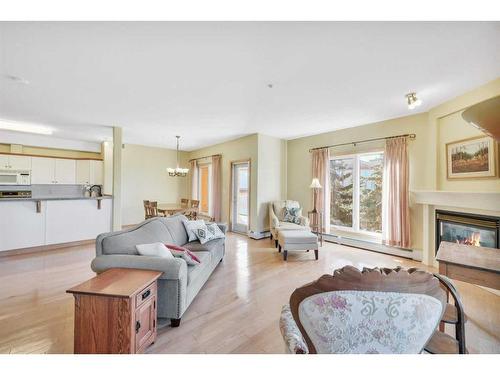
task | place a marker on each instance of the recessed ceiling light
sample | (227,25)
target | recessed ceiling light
(17,79)
(412,100)
(25,127)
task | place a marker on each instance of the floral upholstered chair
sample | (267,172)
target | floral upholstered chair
(370,311)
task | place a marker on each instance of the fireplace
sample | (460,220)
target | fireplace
(467,229)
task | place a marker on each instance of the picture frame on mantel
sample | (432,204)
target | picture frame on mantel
(469,158)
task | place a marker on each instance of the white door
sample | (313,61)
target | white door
(20,163)
(43,171)
(240,199)
(65,171)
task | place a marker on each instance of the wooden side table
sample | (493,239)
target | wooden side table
(115,312)
(316,224)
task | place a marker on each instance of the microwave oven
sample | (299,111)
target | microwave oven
(15,178)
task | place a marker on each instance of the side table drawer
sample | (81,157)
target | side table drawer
(145,295)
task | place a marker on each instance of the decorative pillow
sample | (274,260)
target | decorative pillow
(182,252)
(156,249)
(292,214)
(215,230)
(192,227)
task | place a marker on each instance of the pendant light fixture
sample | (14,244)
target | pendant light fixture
(177,171)
(412,100)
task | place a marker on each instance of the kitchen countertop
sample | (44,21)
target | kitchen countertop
(55,198)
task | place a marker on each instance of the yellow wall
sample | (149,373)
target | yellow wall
(238,149)
(144,177)
(449,126)
(271,177)
(299,171)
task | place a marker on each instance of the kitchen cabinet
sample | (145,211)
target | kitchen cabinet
(76,220)
(89,172)
(65,171)
(53,171)
(59,221)
(15,162)
(43,171)
(20,225)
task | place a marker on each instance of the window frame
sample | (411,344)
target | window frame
(356,195)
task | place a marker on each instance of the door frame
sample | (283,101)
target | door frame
(230,216)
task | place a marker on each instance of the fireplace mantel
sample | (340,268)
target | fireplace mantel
(489,201)
(467,201)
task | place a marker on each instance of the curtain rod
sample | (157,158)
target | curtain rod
(203,157)
(411,136)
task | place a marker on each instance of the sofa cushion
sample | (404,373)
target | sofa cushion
(124,242)
(208,246)
(297,237)
(290,226)
(156,249)
(176,228)
(195,271)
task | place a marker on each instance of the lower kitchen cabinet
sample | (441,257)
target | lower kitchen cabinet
(20,225)
(76,220)
(56,221)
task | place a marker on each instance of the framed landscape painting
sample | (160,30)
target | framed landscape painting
(471,158)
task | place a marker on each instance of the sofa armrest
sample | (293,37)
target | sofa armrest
(304,221)
(173,269)
(222,227)
(294,341)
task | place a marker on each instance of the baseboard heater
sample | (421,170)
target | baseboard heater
(373,246)
(259,235)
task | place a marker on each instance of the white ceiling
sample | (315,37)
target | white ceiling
(207,81)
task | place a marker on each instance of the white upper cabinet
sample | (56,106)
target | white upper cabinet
(53,171)
(89,172)
(15,162)
(43,171)
(65,171)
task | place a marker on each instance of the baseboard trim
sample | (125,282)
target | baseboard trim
(371,246)
(38,249)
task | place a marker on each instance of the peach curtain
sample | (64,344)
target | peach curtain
(321,171)
(216,187)
(397,193)
(194,179)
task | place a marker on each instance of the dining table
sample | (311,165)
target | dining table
(169,209)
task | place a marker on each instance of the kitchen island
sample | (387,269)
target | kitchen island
(41,222)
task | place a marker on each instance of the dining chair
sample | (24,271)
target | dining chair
(147,213)
(192,214)
(153,207)
(184,203)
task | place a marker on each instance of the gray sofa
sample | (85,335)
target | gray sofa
(179,283)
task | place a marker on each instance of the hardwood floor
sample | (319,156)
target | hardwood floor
(237,310)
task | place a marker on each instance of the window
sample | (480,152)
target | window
(204,188)
(356,192)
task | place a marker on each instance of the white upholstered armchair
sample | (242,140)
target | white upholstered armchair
(276,218)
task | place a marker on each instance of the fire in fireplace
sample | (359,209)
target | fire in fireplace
(467,229)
